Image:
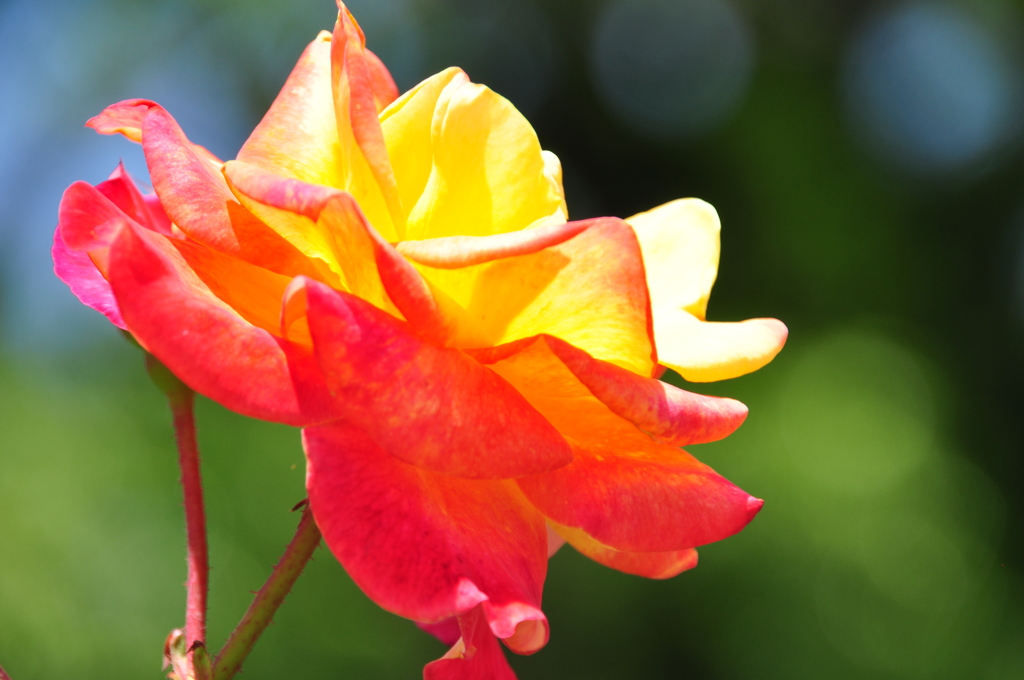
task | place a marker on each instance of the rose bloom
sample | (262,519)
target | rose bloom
(476,376)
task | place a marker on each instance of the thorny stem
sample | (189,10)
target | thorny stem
(195,519)
(268,599)
(181,399)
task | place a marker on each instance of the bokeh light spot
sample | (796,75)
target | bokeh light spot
(671,67)
(929,88)
(856,414)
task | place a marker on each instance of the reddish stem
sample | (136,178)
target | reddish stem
(269,598)
(195,517)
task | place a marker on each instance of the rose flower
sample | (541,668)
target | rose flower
(474,373)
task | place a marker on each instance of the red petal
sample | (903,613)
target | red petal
(445,630)
(659,565)
(87,219)
(432,407)
(422,545)
(545,366)
(476,656)
(74,268)
(205,342)
(121,189)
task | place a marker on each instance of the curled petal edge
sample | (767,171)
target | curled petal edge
(667,414)
(655,565)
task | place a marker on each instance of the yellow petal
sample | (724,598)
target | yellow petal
(406,126)
(703,351)
(680,245)
(487,174)
(589,291)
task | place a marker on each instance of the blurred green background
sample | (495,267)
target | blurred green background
(865,159)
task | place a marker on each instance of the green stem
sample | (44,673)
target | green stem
(268,599)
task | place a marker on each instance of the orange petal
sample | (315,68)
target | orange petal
(328,224)
(197,199)
(205,342)
(435,408)
(87,219)
(298,136)
(384,89)
(659,565)
(366,169)
(560,377)
(422,545)
(127,118)
(625,490)
(122,118)
(121,189)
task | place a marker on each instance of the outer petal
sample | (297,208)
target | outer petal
(475,656)
(659,565)
(127,118)
(122,191)
(558,373)
(87,219)
(426,546)
(623,489)
(384,89)
(194,194)
(122,118)
(637,496)
(435,408)
(445,630)
(680,245)
(298,136)
(703,351)
(365,166)
(205,342)
(74,268)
